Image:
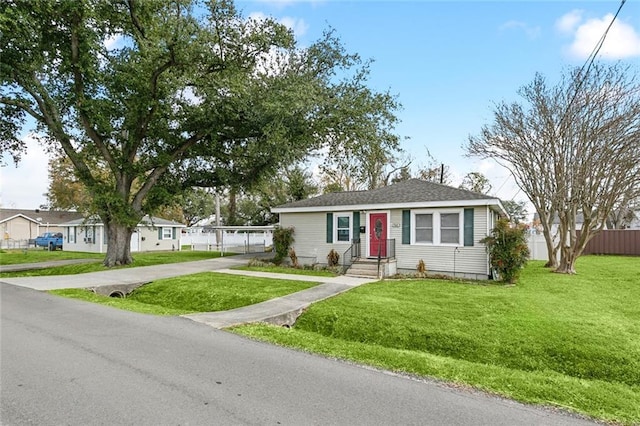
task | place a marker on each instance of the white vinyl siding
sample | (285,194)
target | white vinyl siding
(310,236)
(311,246)
(439,258)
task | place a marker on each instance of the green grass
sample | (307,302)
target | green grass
(14,257)
(567,341)
(203,292)
(139,259)
(288,270)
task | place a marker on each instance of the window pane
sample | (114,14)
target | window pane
(343,221)
(424,220)
(343,235)
(166,233)
(449,220)
(424,235)
(449,236)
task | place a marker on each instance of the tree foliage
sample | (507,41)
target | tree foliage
(282,240)
(197,204)
(65,191)
(517,210)
(508,250)
(253,206)
(147,98)
(476,182)
(572,148)
(367,154)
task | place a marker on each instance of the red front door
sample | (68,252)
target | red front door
(378,234)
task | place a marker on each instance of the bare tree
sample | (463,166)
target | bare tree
(434,171)
(476,182)
(573,147)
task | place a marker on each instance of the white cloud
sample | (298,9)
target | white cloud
(622,41)
(568,22)
(281,4)
(23,186)
(531,32)
(298,26)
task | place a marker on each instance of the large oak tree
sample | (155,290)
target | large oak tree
(148,98)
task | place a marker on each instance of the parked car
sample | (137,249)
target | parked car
(50,240)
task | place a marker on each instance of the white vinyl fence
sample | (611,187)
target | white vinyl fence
(537,247)
(227,239)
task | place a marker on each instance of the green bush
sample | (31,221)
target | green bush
(282,240)
(508,250)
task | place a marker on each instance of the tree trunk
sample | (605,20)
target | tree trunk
(552,250)
(567,261)
(232,219)
(119,245)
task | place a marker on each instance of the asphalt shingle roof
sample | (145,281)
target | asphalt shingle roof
(146,221)
(52,217)
(409,191)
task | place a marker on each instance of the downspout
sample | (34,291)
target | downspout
(487,234)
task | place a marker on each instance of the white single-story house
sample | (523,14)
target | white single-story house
(401,224)
(19,226)
(151,234)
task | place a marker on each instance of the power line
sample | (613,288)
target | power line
(589,62)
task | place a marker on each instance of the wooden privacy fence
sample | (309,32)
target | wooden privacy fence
(615,241)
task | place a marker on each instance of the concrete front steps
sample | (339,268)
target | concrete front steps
(368,268)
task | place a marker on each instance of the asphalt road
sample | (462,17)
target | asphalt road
(66,362)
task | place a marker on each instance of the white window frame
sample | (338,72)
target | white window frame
(436,223)
(460,229)
(335,227)
(89,235)
(71,235)
(164,236)
(415,224)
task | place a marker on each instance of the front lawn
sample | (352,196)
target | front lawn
(139,259)
(288,270)
(568,341)
(203,292)
(35,255)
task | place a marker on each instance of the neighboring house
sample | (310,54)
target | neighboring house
(151,234)
(402,223)
(18,226)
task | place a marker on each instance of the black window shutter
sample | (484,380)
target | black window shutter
(159,233)
(468,227)
(330,228)
(406,226)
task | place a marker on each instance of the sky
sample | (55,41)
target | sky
(448,63)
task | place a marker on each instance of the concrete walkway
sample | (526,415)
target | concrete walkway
(282,310)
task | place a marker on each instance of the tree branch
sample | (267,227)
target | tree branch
(156,174)
(78,81)
(24,106)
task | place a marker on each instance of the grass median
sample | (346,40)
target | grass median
(13,257)
(565,341)
(203,292)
